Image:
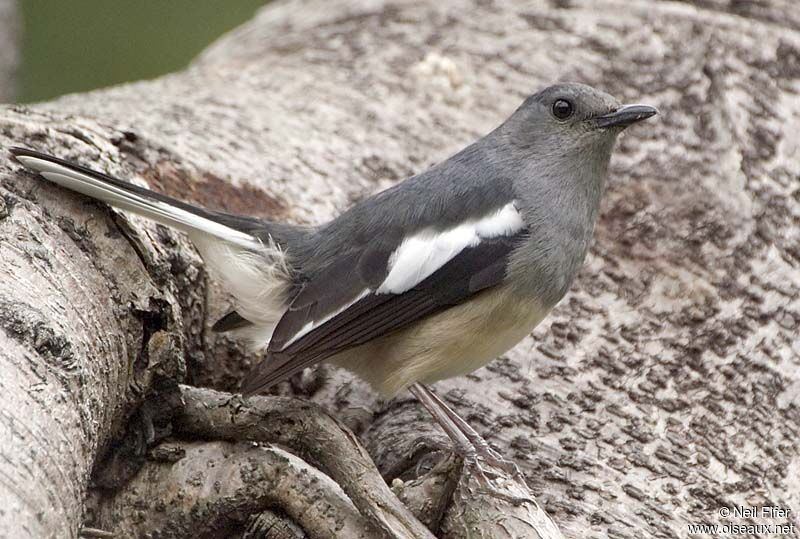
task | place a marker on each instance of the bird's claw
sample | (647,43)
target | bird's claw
(501,470)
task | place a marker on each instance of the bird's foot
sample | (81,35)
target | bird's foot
(495,475)
(480,460)
(497,461)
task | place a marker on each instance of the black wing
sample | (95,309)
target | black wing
(472,270)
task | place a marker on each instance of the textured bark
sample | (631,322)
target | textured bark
(213,489)
(662,388)
(10,44)
(291,423)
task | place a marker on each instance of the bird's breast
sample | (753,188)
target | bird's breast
(450,343)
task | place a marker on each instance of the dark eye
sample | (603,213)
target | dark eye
(562,109)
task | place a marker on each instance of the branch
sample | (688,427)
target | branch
(214,489)
(313,434)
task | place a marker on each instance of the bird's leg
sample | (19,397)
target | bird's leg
(426,397)
(469,444)
(482,447)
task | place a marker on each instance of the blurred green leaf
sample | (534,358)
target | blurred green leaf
(77,45)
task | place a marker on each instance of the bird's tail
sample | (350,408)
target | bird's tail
(127,196)
(254,269)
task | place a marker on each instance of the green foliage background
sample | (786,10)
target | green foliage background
(77,45)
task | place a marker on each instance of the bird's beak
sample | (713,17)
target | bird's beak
(625,116)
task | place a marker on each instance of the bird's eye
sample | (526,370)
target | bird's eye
(562,109)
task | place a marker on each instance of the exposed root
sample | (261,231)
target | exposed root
(215,489)
(314,435)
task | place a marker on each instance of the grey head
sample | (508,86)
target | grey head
(570,120)
(560,140)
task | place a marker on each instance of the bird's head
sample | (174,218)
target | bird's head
(571,121)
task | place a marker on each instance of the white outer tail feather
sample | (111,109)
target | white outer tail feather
(156,210)
(254,272)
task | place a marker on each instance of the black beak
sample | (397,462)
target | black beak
(625,116)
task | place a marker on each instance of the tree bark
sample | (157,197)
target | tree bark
(664,387)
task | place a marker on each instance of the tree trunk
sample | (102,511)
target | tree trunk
(665,387)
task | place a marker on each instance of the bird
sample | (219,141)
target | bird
(429,279)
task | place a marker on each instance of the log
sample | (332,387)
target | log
(663,387)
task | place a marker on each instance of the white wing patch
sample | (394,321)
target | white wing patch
(316,323)
(420,255)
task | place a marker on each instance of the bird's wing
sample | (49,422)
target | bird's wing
(427,272)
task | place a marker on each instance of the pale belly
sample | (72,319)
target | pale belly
(451,343)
